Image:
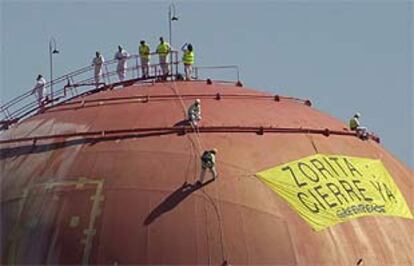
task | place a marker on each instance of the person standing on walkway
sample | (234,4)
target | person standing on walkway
(163,49)
(188,60)
(144,54)
(122,57)
(97,62)
(40,90)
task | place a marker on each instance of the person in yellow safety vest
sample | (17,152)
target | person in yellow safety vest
(208,161)
(144,53)
(40,90)
(188,60)
(97,62)
(194,112)
(354,125)
(163,49)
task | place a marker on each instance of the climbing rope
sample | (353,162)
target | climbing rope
(219,219)
(173,87)
(313,143)
(216,206)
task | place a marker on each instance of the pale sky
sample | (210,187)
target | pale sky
(345,56)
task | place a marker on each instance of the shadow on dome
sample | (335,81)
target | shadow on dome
(173,200)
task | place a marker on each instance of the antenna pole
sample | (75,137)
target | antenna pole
(171,18)
(52,50)
(169,24)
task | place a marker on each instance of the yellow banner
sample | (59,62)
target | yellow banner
(329,189)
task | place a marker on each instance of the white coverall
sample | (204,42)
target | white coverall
(362,132)
(40,90)
(194,113)
(122,63)
(98,62)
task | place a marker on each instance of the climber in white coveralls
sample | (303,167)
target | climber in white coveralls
(97,62)
(40,90)
(122,57)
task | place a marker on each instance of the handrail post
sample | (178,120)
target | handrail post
(52,42)
(51,70)
(176,63)
(4,113)
(137,66)
(74,91)
(172,65)
(107,74)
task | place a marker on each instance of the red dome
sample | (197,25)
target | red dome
(103,183)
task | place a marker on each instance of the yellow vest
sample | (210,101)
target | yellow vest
(144,51)
(163,48)
(353,123)
(188,57)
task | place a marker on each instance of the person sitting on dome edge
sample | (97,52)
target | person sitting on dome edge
(354,125)
(188,59)
(208,161)
(194,113)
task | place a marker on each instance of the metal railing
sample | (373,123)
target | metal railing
(181,130)
(79,82)
(231,67)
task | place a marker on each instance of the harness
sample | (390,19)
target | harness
(207,159)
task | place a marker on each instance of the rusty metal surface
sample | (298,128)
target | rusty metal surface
(123,199)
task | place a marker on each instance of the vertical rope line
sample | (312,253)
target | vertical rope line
(214,204)
(176,92)
(207,233)
(189,162)
(313,143)
(223,243)
(199,148)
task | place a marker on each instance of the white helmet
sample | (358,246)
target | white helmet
(357,115)
(197,101)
